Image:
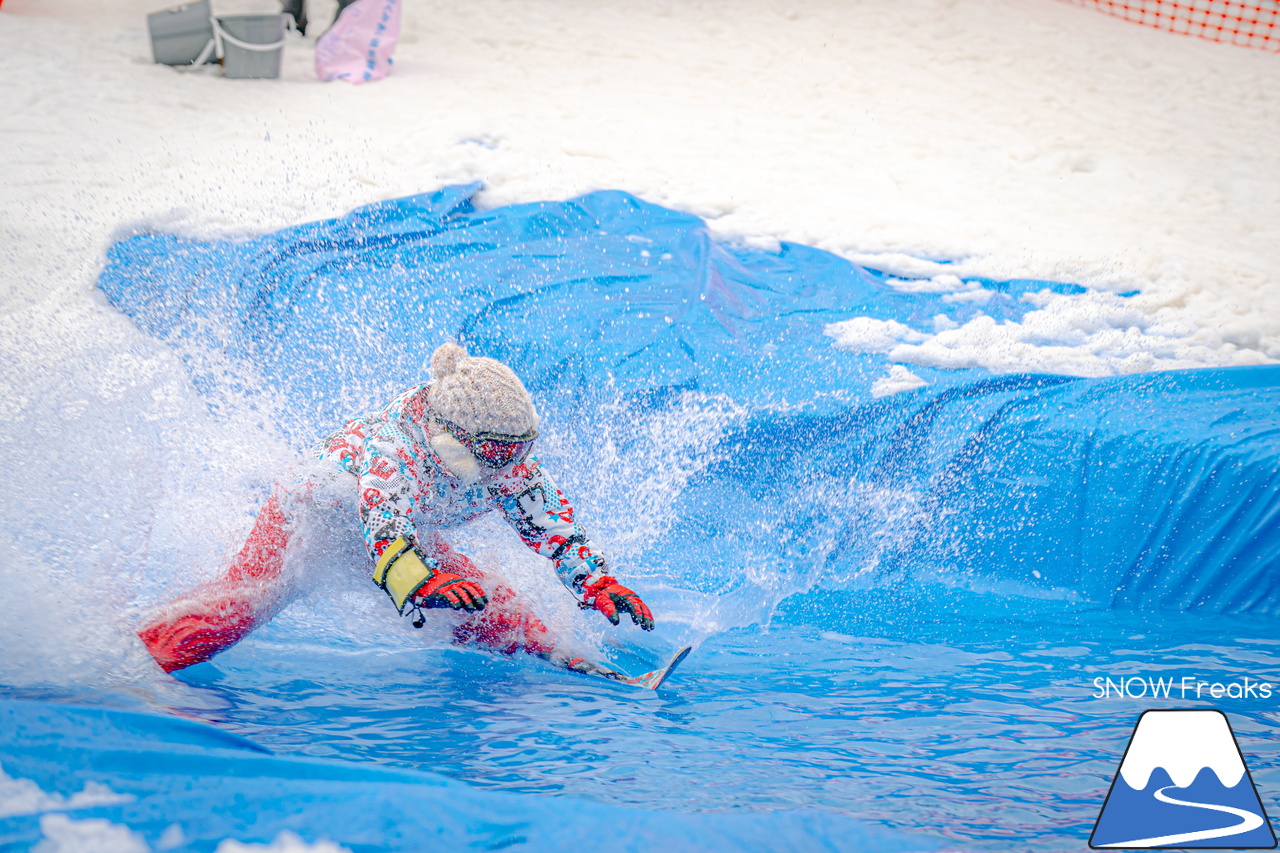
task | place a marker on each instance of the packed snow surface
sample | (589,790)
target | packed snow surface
(1012,139)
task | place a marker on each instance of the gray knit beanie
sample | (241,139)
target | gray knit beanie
(479,394)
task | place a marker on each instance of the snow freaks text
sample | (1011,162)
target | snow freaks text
(1183,687)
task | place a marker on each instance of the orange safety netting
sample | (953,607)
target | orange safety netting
(1246,24)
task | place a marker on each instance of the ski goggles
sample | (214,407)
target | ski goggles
(492,449)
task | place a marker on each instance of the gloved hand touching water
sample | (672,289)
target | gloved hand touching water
(608,596)
(414,581)
(446,589)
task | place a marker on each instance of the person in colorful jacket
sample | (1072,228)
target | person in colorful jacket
(438,455)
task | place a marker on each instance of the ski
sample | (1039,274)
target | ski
(649,680)
(653,680)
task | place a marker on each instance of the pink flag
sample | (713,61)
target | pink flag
(358,47)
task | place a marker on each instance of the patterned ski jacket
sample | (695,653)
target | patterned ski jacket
(405,487)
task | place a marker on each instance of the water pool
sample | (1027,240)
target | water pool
(985,730)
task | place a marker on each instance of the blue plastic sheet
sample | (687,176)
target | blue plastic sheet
(603,288)
(1146,491)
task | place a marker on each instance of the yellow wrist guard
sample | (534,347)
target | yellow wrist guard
(402,571)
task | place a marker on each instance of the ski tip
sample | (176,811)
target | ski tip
(653,680)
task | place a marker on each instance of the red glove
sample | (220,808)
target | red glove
(446,589)
(416,582)
(608,596)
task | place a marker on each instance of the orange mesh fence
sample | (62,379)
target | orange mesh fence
(1246,24)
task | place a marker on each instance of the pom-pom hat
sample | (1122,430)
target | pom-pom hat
(479,395)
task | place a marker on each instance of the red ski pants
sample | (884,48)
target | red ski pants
(218,614)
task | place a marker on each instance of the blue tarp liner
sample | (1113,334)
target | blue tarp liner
(1155,490)
(603,288)
(1154,493)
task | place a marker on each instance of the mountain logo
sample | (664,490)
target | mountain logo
(1183,783)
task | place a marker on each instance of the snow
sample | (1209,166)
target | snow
(94,835)
(285,842)
(899,379)
(1088,334)
(867,334)
(1025,138)
(25,797)
(61,834)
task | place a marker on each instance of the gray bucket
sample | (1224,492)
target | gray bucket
(180,35)
(261,47)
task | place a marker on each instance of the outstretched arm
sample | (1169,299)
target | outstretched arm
(401,568)
(544,519)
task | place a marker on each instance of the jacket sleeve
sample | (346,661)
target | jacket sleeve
(543,517)
(387,489)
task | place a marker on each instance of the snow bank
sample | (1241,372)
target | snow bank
(1090,334)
